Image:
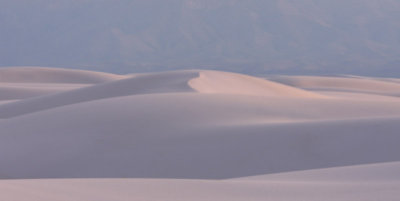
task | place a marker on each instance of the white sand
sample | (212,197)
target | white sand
(53,75)
(351,84)
(365,182)
(184,129)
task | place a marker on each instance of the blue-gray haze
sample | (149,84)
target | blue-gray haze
(251,36)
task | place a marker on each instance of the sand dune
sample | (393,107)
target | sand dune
(389,87)
(197,126)
(348,183)
(28,82)
(384,172)
(197,190)
(12,91)
(53,75)
(202,82)
(192,144)
(232,83)
(140,84)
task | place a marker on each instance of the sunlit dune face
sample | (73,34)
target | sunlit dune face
(230,83)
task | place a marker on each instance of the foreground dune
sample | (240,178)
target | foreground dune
(348,183)
(197,126)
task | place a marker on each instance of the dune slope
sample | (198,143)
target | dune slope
(198,126)
(389,87)
(140,84)
(348,183)
(29,74)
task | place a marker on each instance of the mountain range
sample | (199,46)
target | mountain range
(253,36)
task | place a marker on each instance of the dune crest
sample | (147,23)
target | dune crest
(54,75)
(152,83)
(196,126)
(166,82)
(366,183)
(389,87)
(233,83)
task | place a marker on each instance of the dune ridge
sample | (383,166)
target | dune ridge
(389,87)
(167,82)
(285,187)
(53,75)
(322,184)
(206,132)
(233,83)
(136,84)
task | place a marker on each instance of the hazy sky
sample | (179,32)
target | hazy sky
(253,36)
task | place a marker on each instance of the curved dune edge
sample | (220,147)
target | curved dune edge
(389,87)
(383,172)
(187,130)
(12,91)
(165,82)
(30,74)
(233,83)
(153,83)
(287,187)
(186,136)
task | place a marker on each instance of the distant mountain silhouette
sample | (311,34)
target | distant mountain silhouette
(252,36)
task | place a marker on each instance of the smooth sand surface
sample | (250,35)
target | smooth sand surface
(27,74)
(363,182)
(81,135)
(352,84)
